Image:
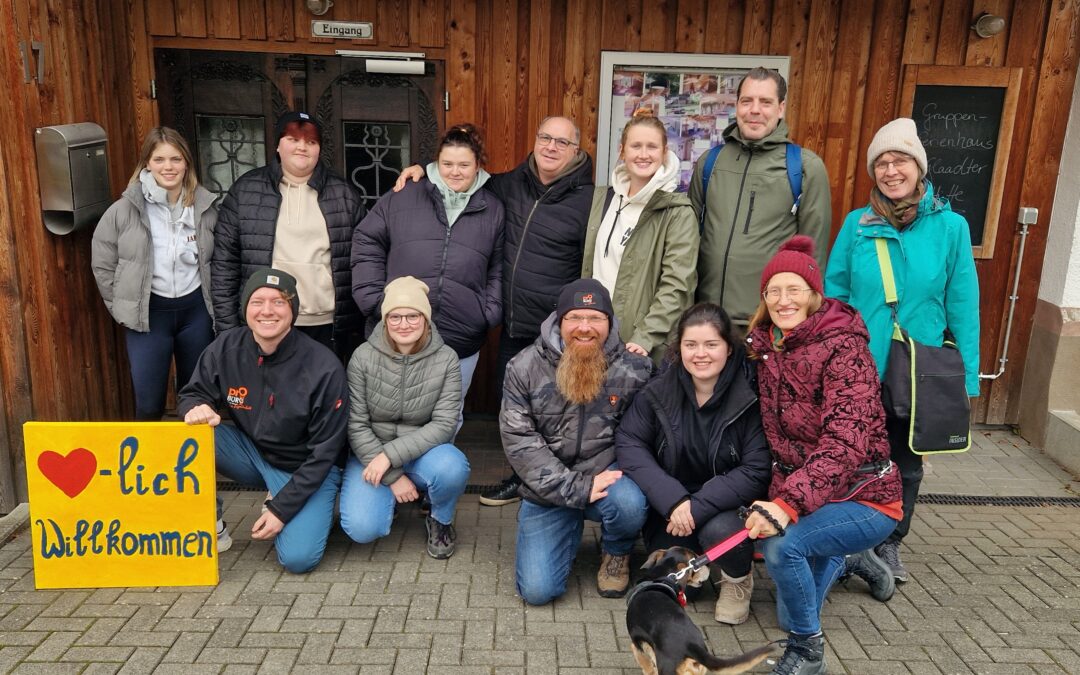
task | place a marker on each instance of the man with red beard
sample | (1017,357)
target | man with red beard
(562,399)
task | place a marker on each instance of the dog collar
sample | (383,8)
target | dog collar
(677,595)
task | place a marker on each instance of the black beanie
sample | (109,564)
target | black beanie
(268,277)
(584,294)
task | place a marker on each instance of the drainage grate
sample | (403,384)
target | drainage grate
(232,486)
(986,500)
(942,500)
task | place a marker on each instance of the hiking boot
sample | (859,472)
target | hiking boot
(733,602)
(505,492)
(224,541)
(614,575)
(803,655)
(889,551)
(870,568)
(441,539)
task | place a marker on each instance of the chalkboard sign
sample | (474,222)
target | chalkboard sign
(964,118)
(958,127)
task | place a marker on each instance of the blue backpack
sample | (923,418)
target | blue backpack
(794,176)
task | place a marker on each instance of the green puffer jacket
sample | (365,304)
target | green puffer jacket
(749,216)
(658,271)
(402,404)
(122,250)
(934,272)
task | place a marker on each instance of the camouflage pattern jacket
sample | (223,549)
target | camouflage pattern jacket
(554,445)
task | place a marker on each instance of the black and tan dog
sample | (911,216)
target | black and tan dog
(664,639)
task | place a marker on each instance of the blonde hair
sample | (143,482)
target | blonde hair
(158,136)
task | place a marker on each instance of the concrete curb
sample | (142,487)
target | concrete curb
(14,521)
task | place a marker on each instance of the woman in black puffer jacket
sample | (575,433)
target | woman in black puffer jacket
(447,231)
(692,440)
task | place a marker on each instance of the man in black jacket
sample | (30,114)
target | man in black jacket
(287,396)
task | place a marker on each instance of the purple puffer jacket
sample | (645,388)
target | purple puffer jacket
(821,409)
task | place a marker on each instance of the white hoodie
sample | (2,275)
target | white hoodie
(623,214)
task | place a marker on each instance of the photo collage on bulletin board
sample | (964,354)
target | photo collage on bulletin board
(695,108)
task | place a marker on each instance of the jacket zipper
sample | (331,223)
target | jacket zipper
(581,429)
(734,220)
(720,435)
(509,323)
(749,211)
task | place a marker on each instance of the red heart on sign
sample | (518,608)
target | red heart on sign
(71,473)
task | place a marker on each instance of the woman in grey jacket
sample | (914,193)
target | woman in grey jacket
(404,396)
(151,260)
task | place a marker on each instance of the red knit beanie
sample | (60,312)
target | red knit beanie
(795,255)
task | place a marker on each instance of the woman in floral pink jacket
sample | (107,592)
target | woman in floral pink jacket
(834,492)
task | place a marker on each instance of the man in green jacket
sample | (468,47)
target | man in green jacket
(749,208)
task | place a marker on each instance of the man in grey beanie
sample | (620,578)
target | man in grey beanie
(287,398)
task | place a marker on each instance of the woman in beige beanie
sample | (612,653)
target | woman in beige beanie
(404,397)
(930,250)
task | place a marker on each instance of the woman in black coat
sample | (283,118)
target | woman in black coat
(692,441)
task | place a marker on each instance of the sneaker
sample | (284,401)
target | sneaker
(889,551)
(505,492)
(733,602)
(803,655)
(441,539)
(870,568)
(224,541)
(614,575)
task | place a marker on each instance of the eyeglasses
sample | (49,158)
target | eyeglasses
(900,163)
(774,294)
(412,319)
(586,320)
(560,143)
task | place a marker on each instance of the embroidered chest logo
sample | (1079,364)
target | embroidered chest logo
(236,398)
(613,400)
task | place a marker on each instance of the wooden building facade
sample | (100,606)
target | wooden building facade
(128,65)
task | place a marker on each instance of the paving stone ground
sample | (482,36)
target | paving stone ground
(994,589)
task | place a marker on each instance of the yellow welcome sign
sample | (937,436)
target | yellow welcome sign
(121,504)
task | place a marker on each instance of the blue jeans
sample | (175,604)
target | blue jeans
(468,368)
(180,328)
(549,536)
(367,510)
(806,561)
(301,543)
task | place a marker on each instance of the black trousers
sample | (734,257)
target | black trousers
(911,472)
(735,563)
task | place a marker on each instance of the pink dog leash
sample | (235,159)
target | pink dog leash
(712,554)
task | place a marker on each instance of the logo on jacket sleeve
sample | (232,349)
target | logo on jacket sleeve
(236,397)
(613,400)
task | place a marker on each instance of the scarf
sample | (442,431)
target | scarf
(899,214)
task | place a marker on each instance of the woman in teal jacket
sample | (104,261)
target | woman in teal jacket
(938,290)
